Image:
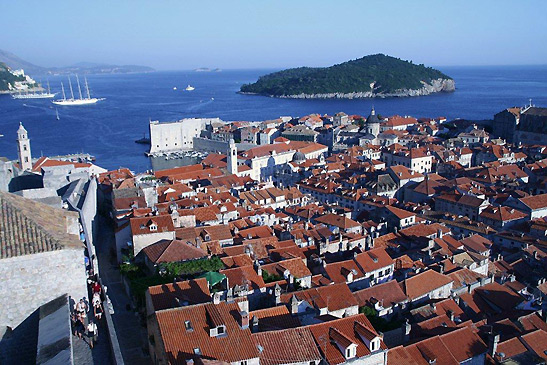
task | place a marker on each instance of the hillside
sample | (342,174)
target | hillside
(80,68)
(371,76)
(7,78)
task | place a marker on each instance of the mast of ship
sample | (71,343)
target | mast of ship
(71,91)
(63,88)
(87,88)
(48,89)
(79,88)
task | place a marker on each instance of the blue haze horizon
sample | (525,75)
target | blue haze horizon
(189,34)
(109,128)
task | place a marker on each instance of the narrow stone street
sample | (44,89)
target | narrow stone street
(132,336)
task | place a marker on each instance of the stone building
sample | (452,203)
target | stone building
(176,136)
(41,257)
(532,129)
(506,122)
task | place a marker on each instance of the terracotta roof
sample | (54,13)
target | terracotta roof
(502,214)
(295,266)
(498,295)
(172,251)
(338,271)
(464,344)
(374,259)
(535,202)
(423,283)
(29,227)
(404,173)
(346,327)
(295,345)
(174,295)
(164,223)
(388,294)
(274,318)
(178,170)
(244,276)
(181,344)
(400,213)
(333,297)
(511,347)
(337,221)
(537,341)
(237,260)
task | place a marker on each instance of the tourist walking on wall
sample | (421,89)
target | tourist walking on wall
(92,333)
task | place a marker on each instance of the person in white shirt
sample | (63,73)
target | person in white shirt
(92,333)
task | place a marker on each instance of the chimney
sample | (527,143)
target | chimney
(243,319)
(216,298)
(294,305)
(439,233)
(258,268)
(493,344)
(254,324)
(450,315)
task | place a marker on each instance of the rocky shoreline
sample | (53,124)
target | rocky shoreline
(438,85)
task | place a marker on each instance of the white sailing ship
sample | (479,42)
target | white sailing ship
(190,88)
(73,100)
(35,95)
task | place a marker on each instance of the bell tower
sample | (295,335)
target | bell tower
(23,147)
(232,158)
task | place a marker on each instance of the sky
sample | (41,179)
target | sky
(235,34)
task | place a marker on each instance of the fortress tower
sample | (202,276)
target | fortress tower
(23,147)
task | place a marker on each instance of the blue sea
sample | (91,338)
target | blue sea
(109,128)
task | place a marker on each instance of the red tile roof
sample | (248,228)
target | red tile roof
(333,297)
(172,251)
(174,295)
(295,345)
(181,344)
(423,283)
(347,328)
(142,225)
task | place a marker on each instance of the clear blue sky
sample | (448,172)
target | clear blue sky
(185,34)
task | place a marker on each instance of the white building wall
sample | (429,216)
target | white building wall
(179,135)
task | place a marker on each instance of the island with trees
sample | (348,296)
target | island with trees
(376,75)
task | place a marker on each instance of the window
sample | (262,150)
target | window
(372,345)
(24,148)
(220,330)
(348,353)
(197,351)
(26,159)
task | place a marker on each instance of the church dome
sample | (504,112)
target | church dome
(298,157)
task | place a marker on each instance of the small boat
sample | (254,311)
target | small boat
(190,88)
(143,140)
(175,88)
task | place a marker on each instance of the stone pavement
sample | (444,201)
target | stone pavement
(132,336)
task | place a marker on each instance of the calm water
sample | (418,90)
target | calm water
(108,129)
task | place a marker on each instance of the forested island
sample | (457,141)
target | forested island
(371,76)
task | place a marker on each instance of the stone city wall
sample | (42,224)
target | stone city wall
(32,280)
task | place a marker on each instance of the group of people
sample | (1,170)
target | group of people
(82,325)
